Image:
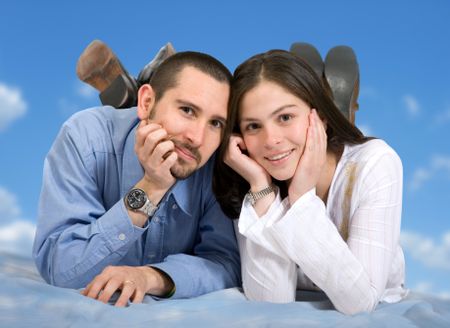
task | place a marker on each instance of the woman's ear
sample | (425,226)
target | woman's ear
(146,101)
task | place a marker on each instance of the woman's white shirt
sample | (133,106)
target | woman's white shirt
(349,249)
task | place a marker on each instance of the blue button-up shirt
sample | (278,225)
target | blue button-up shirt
(83,224)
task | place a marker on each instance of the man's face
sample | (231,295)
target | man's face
(194,114)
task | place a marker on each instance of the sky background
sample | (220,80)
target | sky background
(403,50)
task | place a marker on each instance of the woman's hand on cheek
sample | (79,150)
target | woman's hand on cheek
(312,160)
(246,167)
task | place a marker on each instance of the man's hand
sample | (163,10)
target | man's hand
(155,153)
(132,282)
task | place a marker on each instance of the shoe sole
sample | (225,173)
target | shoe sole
(309,54)
(165,52)
(342,73)
(99,66)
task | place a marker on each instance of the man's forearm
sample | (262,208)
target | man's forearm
(161,284)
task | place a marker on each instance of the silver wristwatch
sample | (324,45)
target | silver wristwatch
(252,197)
(136,200)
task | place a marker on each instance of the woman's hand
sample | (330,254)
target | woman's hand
(249,169)
(312,161)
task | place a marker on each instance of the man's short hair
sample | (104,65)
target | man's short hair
(165,76)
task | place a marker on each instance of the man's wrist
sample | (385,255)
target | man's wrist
(161,284)
(153,193)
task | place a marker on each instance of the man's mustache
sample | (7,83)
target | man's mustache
(186,146)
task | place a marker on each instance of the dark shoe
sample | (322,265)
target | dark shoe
(309,53)
(147,72)
(342,73)
(99,67)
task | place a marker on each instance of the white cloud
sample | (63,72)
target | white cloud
(420,176)
(16,234)
(412,105)
(85,90)
(427,287)
(9,209)
(439,165)
(445,295)
(12,105)
(17,237)
(423,287)
(427,251)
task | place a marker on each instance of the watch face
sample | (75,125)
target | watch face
(136,199)
(249,199)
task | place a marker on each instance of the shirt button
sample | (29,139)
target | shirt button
(174,206)
(156,219)
(122,236)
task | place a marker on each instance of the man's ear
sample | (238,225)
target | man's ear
(146,101)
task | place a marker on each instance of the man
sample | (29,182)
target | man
(126,203)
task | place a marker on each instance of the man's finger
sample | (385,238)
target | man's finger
(169,161)
(95,287)
(110,288)
(138,296)
(152,140)
(128,288)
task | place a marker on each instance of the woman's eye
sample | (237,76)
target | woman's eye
(285,117)
(251,126)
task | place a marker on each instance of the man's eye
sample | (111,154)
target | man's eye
(187,110)
(217,124)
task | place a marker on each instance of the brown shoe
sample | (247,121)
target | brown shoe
(98,66)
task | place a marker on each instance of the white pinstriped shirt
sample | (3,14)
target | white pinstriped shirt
(349,248)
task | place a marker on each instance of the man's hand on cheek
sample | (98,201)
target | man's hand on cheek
(155,152)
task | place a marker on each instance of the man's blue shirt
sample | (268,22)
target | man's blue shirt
(83,224)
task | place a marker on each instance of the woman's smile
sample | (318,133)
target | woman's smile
(279,158)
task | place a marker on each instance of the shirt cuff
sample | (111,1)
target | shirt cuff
(251,224)
(117,228)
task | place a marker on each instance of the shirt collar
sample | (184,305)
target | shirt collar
(181,192)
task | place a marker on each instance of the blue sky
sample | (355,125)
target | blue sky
(403,49)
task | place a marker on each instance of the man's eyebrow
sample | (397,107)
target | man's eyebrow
(275,112)
(188,104)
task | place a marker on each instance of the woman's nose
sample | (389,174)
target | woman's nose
(272,137)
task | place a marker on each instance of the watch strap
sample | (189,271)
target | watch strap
(253,197)
(148,208)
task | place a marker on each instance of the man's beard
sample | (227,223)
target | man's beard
(181,169)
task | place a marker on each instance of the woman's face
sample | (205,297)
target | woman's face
(274,124)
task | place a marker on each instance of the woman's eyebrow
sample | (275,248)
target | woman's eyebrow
(275,112)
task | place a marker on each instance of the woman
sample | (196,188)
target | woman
(319,204)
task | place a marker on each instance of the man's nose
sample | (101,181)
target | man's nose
(196,134)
